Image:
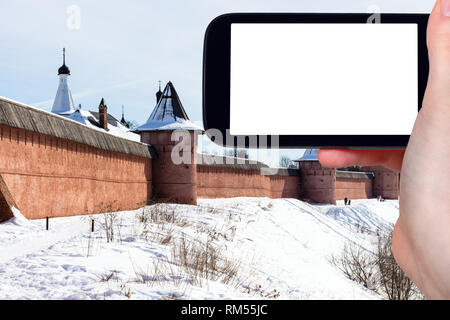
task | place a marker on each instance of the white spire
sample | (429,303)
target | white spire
(63,103)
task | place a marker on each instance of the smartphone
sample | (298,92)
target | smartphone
(315,80)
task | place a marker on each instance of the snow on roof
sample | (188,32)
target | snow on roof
(178,124)
(82,116)
(20,115)
(168,114)
(309,155)
(90,119)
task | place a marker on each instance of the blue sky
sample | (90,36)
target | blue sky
(123,48)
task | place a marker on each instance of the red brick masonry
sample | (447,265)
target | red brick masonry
(49,176)
(218,182)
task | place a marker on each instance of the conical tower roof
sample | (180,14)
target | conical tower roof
(168,114)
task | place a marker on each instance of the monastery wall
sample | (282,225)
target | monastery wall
(223,182)
(53,177)
(353,185)
(52,167)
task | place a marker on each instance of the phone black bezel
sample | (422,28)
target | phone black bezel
(216,75)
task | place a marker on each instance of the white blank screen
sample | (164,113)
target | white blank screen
(323,79)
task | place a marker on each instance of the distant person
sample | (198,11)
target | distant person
(421,240)
(345,201)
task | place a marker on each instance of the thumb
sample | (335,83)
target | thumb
(438,38)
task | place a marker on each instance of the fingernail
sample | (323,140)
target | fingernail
(446,7)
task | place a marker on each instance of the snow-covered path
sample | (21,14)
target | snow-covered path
(19,237)
(282,248)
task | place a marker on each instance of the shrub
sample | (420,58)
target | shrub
(393,281)
(377,271)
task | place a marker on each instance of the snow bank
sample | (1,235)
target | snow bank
(18,219)
(282,248)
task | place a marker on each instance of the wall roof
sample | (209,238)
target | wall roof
(18,115)
(241,163)
(354,174)
(229,162)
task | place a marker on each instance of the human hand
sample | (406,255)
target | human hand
(421,240)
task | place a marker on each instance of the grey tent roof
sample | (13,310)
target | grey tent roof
(169,106)
(22,116)
(168,114)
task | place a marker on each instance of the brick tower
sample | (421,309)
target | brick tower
(317,183)
(174,137)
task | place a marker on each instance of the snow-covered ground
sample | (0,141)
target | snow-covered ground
(252,248)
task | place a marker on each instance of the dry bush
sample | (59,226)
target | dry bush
(127,292)
(108,276)
(158,233)
(172,296)
(158,223)
(263,293)
(393,281)
(363,229)
(150,276)
(161,213)
(357,265)
(89,245)
(204,261)
(162,274)
(378,272)
(109,224)
(191,261)
(215,233)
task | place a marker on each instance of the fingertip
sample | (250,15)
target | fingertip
(330,158)
(438,33)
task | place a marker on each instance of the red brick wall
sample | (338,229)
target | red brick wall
(284,186)
(352,188)
(48,176)
(220,182)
